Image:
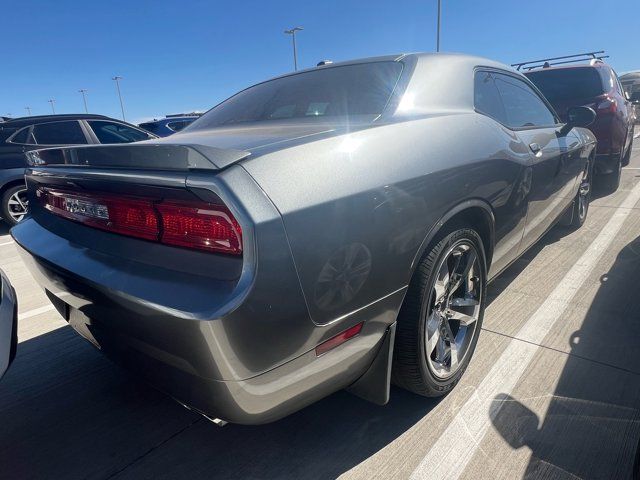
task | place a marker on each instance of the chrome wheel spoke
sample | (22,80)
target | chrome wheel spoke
(453,356)
(433,333)
(463,318)
(462,269)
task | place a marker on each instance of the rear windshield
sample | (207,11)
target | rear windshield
(347,91)
(567,84)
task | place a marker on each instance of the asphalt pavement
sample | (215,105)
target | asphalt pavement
(553,390)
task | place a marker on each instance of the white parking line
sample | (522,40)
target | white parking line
(453,450)
(10,242)
(34,312)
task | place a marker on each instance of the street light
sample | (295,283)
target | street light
(84,99)
(53,108)
(28,109)
(438,34)
(292,32)
(117,80)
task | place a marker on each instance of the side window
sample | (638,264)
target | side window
(59,133)
(110,132)
(523,106)
(487,98)
(177,126)
(21,136)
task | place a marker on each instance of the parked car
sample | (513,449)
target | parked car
(331,228)
(169,125)
(631,84)
(594,85)
(8,323)
(21,135)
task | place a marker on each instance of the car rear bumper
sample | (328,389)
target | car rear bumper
(8,324)
(183,356)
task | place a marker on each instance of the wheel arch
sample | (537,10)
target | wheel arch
(475,213)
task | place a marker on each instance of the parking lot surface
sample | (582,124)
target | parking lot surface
(553,390)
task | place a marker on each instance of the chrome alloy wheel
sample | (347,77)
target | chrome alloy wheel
(18,205)
(454,309)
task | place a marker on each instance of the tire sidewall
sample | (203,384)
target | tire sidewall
(443,246)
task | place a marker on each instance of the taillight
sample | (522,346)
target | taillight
(608,106)
(127,216)
(198,225)
(208,227)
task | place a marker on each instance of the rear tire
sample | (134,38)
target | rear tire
(440,319)
(611,181)
(14,204)
(627,157)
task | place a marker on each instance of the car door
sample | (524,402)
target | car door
(13,148)
(555,157)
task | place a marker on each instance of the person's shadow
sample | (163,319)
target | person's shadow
(591,428)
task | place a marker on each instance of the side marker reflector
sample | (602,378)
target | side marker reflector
(339,339)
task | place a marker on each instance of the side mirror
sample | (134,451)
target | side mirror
(578,117)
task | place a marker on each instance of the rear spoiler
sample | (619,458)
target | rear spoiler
(147,156)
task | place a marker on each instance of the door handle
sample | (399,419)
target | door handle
(535,148)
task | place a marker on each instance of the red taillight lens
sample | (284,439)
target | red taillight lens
(128,216)
(209,227)
(608,106)
(203,226)
(339,339)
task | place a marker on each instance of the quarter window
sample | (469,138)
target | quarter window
(59,133)
(487,98)
(21,136)
(110,132)
(523,106)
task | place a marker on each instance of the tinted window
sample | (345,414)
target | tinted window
(567,83)
(487,98)
(21,136)
(109,132)
(522,105)
(348,91)
(59,133)
(178,125)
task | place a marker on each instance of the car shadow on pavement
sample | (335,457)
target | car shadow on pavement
(591,428)
(67,412)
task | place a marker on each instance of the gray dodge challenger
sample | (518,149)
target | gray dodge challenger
(333,228)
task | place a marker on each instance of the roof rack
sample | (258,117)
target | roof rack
(548,62)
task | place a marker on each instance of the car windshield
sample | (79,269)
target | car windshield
(345,91)
(567,83)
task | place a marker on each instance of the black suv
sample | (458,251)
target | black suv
(20,135)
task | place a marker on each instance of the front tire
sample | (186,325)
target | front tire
(440,319)
(14,204)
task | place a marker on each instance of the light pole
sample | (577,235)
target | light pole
(84,99)
(292,32)
(53,108)
(117,80)
(28,109)
(438,34)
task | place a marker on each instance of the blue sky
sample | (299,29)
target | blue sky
(181,55)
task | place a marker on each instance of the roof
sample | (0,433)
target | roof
(17,122)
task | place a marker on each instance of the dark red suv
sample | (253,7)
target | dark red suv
(594,85)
